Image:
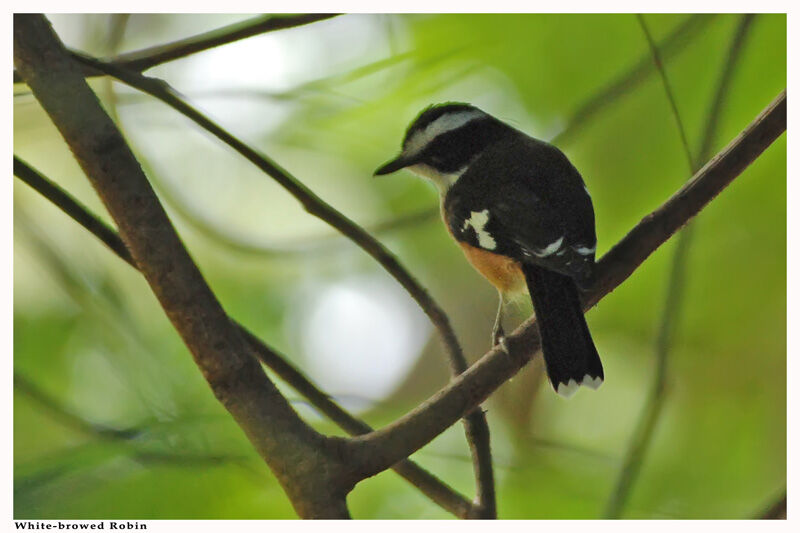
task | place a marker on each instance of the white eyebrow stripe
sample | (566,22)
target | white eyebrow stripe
(443,124)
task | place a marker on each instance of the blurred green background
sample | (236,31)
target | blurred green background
(112,418)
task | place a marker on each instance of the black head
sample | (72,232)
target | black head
(446,137)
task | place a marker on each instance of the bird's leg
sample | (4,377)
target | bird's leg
(498,334)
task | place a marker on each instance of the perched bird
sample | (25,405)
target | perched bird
(524,218)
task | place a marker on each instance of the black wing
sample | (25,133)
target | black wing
(525,200)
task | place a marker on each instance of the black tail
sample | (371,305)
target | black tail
(569,353)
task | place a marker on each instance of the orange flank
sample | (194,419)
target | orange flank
(501,271)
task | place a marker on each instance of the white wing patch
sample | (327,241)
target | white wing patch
(551,248)
(478,221)
(443,124)
(583,250)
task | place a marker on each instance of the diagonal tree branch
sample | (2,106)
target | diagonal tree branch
(73,208)
(776,510)
(476,426)
(651,412)
(308,465)
(271,248)
(418,427)
(426,482)
(141,60)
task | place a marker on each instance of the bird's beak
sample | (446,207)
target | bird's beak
(401,161)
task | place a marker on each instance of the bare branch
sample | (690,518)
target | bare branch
(307,464)
(426,482)
(421,425)
(651,412)
(141,60)
(776,510)
(476,427)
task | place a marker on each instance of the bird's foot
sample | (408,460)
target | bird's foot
(504,345)
(499,338)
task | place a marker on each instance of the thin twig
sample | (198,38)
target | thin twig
(67,417)
(64,201)
(651,412)
(426,482)
(141,60)
(118,24)
(656,57)
(418,427)
(128,437)
(731,62)
(283,248)
(147,58)
(670,46)
(476,426)
(128,440)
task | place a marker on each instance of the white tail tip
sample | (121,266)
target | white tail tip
(567,389)
(571,387)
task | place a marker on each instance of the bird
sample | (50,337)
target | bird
(524,219)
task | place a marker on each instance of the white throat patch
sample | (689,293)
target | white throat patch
(442,181)
(443,124)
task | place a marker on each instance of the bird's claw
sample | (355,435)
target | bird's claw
(503,345)
(499,339)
